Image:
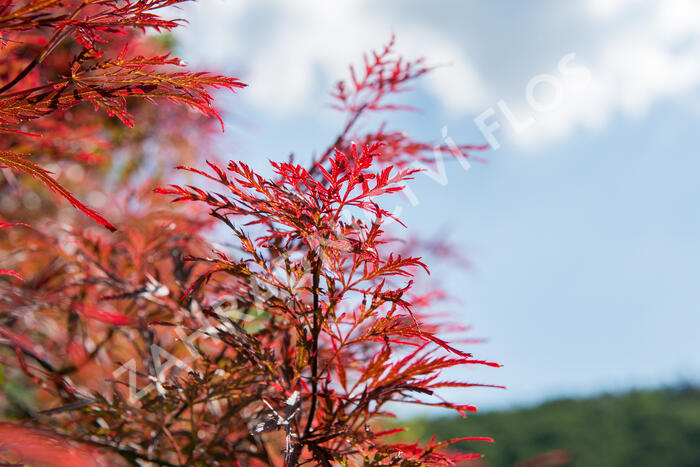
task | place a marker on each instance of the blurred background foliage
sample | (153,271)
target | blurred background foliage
(642,428)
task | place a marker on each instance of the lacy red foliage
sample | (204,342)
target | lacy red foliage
(90,76)
(155,346)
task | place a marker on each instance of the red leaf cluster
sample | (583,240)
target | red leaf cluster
(286,344)
(90,77)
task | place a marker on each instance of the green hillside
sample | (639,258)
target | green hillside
(646,428)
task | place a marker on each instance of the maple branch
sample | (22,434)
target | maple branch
(53,43)
(56,39)
(314,348)
(131,455)
(21,75)
(341,137)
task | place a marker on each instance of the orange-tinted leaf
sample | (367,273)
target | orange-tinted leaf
(21,163)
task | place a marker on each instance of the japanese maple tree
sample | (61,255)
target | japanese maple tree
(282,344)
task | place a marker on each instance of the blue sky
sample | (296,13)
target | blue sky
(583,228)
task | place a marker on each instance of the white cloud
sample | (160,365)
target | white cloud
(605,9)
(458,85)
(304,38)
(648,51)
(638,51)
